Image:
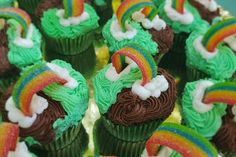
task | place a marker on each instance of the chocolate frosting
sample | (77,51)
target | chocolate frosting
(164,38)
(42,129)
(130,109)
(204,12)
(225,138)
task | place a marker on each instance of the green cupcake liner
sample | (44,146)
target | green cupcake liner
(105,12)
(179,42)
(75,148)
(194,74)
(107,144)
(29,5)
(67,46)
(132,133)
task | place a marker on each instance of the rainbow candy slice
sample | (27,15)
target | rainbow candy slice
(182,139)
(19,15)
(218,32)
(143,59)
(8,138)
(32,81)
(150,13)
(73,8)
(128,7)
(224,92)
(178,5)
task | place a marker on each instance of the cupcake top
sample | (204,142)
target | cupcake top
(124,99)
(69,22)
(206,53)
(6,3)
(23,39)
(49,108)
(181,16)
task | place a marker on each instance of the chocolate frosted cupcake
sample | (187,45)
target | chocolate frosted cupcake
(52,119)
(131,112)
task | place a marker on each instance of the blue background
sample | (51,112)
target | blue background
(229,5)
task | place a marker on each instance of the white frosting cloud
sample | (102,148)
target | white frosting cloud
(185,18)
(197,44)
(198,96)
(153,88)
(118,34)
(210,5)
(71,20)
(20,151)
(156,23)
(24,42)
(231,41)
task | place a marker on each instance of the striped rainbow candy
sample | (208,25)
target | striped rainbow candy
(143,59)
(224,92)
(8,138)
(32,81)
(181,139)
(218,32)
(19,15)
(150,13)
(128,7)
(178,5)
(73,8)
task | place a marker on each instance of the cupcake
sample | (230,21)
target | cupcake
(207,56)
(69,31)
(49,116)
(6,3)
(131,110)
(29,6)
(208,9)
(120,30)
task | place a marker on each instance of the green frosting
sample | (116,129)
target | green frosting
(206,124)
(52,27)
(179,27)
(106,90)
(175,154)
(142,38)
(21,56)
(6,3)
(221,66)
(74,101)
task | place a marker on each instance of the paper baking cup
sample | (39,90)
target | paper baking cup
(194,74)
(29,5)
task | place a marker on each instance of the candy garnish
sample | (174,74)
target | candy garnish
(178,5)
(141,57)
(128,7)
(32,81)
(19,15)
(181,139)
(224,92)
(8,138)
(218,32)
(150,13)
(73,8)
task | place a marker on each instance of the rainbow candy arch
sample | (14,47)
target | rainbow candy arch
(181,139)
(224,92)
(128,7)
(178,5)
(218,32)
(32,81)
(143,59)
(8,138)
(19,15)
(73,8)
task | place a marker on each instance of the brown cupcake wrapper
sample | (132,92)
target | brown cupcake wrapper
(132,133)
(29,5)
(107,144)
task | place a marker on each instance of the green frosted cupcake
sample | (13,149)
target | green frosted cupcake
(6,3)
(52,120)
(69,31)
(207,56)
(130,111)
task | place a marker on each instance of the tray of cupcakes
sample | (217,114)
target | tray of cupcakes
(125,78)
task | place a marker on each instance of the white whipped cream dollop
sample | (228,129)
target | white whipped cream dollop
(71,20)
(20,151)
(197,44)
(118,34)
(185,18)
(231,41)
(156,23)
(198,96)
(24,42)
(210,5)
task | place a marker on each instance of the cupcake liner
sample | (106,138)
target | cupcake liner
(107,144)
(105,13)
(67,46)
(76,148)
(29,5)
(179,42)
(132,133)
(194,74)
